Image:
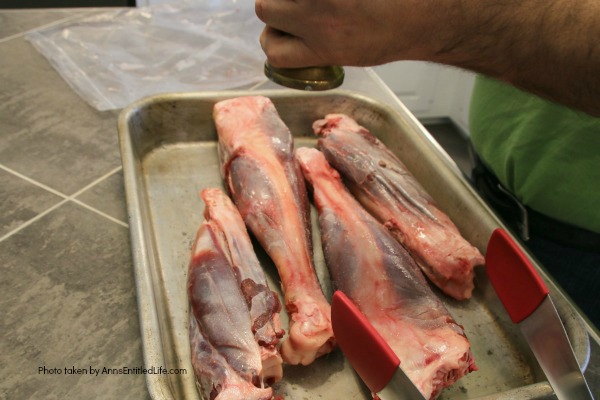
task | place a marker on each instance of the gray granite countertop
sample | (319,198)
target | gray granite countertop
(68,294)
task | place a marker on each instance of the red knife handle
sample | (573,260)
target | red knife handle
(366,350)
(515,279)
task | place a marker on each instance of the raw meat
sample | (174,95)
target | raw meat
(216,379)
(263,303)
(383,185)
(382,279)
(265,182)
(234,332)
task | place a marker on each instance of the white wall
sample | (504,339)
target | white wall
(431,90)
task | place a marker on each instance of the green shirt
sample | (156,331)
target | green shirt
(547,155)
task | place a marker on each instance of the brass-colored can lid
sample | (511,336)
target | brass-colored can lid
(309,78)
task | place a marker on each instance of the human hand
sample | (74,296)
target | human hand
(553,53)
(302,33)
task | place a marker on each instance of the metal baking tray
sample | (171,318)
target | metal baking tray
(169,153)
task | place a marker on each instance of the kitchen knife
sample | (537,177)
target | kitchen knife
(368,353)
(527,300)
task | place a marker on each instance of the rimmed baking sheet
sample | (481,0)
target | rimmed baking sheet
(169,153)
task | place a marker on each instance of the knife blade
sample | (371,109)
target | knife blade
(527,301)
(368,352)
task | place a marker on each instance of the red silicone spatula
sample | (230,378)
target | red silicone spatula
(368,353)
(527,300)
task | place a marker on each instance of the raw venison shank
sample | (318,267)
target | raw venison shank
(385,187)
(234,316)
(382,279)
(265,182)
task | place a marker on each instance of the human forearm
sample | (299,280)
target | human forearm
(549,47)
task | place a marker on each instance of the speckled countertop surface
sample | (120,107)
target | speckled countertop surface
(67,289)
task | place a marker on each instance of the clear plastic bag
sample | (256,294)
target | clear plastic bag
(117,57)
